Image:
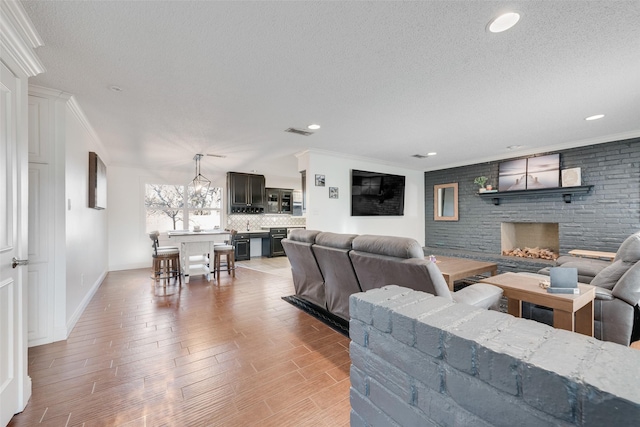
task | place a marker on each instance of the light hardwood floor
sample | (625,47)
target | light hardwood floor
(207,354)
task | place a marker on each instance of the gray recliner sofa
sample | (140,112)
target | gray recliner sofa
(616,307)
(350,263)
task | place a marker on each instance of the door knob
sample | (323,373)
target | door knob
(16,262)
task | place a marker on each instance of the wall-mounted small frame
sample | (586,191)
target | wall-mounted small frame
(319,180)
(445,202)
(97,182)
(333,192)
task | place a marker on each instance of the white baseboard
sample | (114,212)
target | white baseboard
(135,266)
(83,305)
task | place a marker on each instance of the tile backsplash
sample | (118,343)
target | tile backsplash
(239,221)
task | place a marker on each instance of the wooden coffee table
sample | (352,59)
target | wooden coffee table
(572,312)
(458,268)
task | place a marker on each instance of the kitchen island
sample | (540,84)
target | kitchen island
(196,250)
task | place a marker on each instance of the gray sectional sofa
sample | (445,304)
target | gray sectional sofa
(328,267)
(616,310)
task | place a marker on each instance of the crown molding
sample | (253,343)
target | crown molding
(49,93)
(77,111)
(548,148)
(19,38)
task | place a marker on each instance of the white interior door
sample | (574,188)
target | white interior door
(13,344)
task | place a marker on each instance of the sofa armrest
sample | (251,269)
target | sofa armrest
(603,294)
(481,295)
(628,287)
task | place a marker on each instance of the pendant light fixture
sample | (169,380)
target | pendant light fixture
(200,183)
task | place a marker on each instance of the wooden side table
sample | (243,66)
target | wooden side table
(636,345)
(572,312)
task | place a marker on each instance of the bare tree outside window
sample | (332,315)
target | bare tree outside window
(177,207)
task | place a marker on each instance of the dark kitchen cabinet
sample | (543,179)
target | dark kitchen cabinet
(279,200)
(245,193)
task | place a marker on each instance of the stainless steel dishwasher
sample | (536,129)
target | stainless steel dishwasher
(275,236)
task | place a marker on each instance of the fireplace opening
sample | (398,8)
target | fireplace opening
(530,240)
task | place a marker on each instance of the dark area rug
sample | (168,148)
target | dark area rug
(334,322)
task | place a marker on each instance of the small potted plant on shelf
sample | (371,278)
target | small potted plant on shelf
(481,181)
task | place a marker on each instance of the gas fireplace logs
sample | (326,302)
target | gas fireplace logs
(531,253)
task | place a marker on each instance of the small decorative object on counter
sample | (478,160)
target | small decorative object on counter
(432,258)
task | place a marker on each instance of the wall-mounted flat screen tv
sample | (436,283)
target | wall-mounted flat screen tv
(374,193)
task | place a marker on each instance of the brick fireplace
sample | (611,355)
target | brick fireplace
(598,220)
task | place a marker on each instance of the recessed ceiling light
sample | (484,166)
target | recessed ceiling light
(313,127)
(596,117)
(504,22)
(115,88)
(432,153)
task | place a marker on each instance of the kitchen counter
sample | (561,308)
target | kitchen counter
(195,233)
(268,227)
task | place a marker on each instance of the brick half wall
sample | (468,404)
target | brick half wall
(420,360)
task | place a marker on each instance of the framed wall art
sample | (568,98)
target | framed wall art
(530,174)
(97,182)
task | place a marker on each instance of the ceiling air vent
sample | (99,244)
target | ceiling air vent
(419,156)
(299,131)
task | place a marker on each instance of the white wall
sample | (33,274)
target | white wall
(129,244)
(327,214)
(86,228)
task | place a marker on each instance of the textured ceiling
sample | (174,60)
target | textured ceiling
(386,80)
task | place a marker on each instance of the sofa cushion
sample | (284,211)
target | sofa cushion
(307,278)
(586,266)
(629,250)
(340,279)
(628,287)
(375,271)
(400,247)
(609,276)
(335,240)
(302,235)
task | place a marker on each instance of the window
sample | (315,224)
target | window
(175,207)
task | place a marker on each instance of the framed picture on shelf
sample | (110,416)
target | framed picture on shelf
(543,172)
(319,180)
(513,175)
(530,174)
(571,177)
(333,192)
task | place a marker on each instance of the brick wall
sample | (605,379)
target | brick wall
(599,220)
(420,360)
